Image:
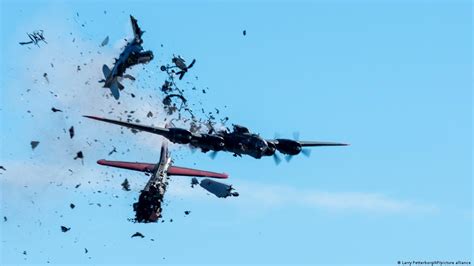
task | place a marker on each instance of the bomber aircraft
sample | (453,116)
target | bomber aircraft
(148,208)
(238,141)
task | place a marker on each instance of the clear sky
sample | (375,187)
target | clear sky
(393,78)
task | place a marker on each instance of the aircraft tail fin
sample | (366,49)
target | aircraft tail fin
(141,167)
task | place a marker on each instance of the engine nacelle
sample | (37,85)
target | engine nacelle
(209,142)
(288,146)
(179,135)
(270,149)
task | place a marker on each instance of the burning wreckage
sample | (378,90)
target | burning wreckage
(148,208)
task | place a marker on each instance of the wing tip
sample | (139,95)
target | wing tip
(93,117)
(224,175)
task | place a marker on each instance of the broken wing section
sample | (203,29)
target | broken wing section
(142,167)
(183,171)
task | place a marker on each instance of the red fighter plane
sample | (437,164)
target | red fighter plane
(148,208)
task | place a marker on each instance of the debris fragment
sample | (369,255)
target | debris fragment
(64,229)
(150,114)
(35,38)
(34,144)
(72,206)
(130,77)
(244,32)
(167,99)
(24,252)
(105,41)
(86,251)
(79,155)
(179,63)
(5,218)
(2,168)
(112,151)
(55,110)
(220,190)
(171,108)
(71,132)
(78,185)
(45,75)
(187,212)
(138,234)
(167,86)
(194,182)
(125,185)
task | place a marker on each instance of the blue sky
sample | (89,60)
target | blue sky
(393,78)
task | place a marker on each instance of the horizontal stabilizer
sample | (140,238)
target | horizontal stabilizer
(106,71)
(114,88)
(176,170)
(142,167)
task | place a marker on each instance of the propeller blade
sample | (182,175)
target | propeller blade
(296,135)
(193,149)
(288,158)
(306,152)
(213,154)
(276,158)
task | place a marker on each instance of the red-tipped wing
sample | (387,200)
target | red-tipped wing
(176,170)
(142,167)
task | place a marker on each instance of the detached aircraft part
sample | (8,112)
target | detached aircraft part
(167,100)
(220,190)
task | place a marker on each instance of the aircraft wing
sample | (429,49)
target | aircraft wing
(320,143)
(154,130)
(142,167)
(182,171)
(137,32)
